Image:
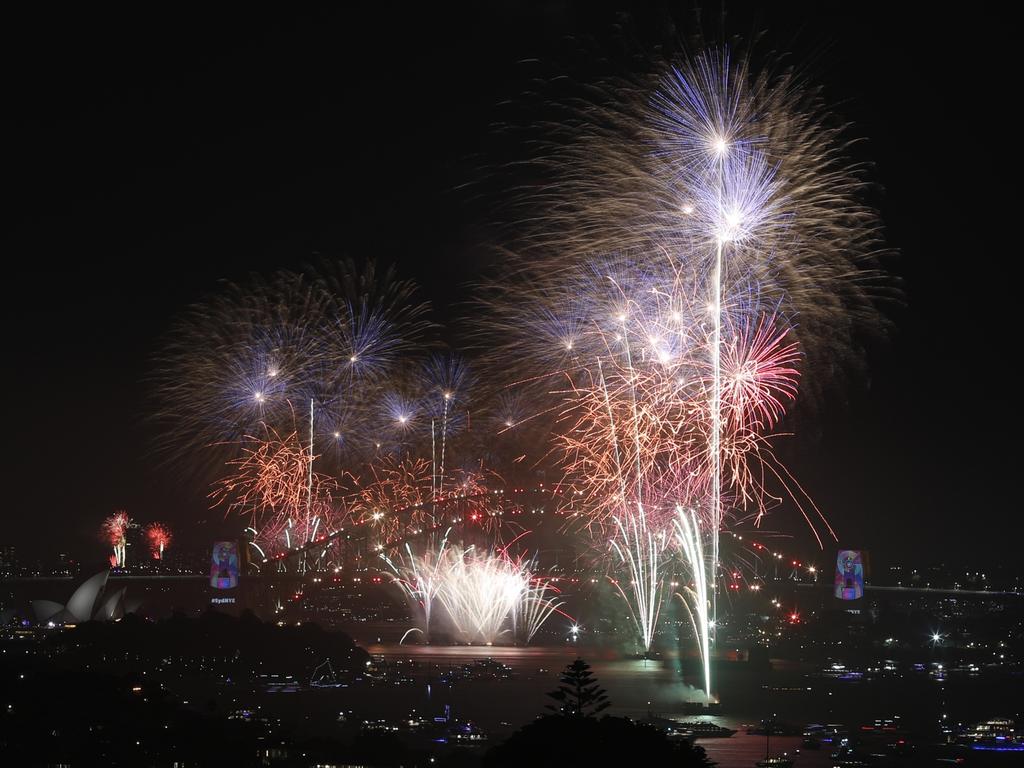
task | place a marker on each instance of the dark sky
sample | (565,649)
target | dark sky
(147,156)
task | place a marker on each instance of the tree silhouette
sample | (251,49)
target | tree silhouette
(578,694)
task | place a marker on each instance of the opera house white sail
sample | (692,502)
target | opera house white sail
(85,604)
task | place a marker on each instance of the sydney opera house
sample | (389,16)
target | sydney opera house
(91,601)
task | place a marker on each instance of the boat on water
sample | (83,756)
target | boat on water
(673,730)
(993,728)
(772,761)
(702,730)
(777,728)
(848,757)
(702,708)
(998,734)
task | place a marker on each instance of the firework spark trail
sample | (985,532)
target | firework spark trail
(421,578)
(533,609)
(485,594)
(444,441)
(115,531)
(647,436)
(715,444)
(479,594)
(696,599)
(642,557)
(535,604)
(448,378)
(273,485)
(159,537)
(635,423)
(641,551)
(397,496)
(663,458)
(733,200)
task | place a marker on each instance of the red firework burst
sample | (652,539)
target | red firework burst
(273,483)
(159,537)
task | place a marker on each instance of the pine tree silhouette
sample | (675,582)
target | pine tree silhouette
(578,694)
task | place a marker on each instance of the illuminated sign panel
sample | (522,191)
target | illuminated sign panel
(224,565)
(849,583)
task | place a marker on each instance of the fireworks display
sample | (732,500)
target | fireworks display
(257,354)
(696,598)
(399,495)
(641,553)
(702,251)
(698,253)
(115,531)
(159,537)
(421,579)
(274,486)
(485,595)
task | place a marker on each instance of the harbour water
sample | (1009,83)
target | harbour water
(790,692)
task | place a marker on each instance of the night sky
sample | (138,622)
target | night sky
(145,157)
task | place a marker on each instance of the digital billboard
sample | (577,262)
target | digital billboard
(224,565)
(849,583)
